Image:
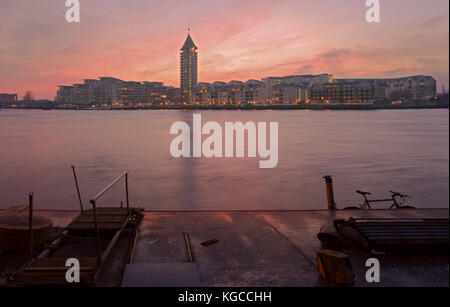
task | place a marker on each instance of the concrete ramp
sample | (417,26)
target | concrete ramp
(161,275)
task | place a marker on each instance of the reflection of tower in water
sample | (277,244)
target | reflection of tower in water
(188,174)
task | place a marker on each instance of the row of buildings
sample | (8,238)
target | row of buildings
(109,91)
(297,89)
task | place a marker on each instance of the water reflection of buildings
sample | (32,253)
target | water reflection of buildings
(296,89)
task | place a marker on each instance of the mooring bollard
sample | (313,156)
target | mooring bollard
(330,193)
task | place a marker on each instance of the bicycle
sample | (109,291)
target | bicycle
(397,204)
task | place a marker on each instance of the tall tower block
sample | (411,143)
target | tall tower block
(188,69)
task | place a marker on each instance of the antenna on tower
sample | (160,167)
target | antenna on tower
(189,30)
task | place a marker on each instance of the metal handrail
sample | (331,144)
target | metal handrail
(100,194)
(93,201)
(78,188)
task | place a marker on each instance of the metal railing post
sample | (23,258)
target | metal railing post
(126,190)
(30,225)
(97,231)
(78,189)
(330,193)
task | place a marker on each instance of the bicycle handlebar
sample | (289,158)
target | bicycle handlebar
(363,193)
(394,194)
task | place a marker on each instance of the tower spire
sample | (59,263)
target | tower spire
(189,43)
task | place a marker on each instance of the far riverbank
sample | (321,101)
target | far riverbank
(403,106)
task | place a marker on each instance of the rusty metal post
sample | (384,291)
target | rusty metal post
(78,189)
(188,247)
(330,193)
(126,190)
(30,225)
(97,231)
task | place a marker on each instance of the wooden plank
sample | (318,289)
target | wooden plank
(108,219)
(101,219)
(405,235)
(52,271)
(404,229)
(399,234)
(53,278)
(401,244)
(376,238)
(14,209)
(61,262)
(103,210)
(382,226)
(91,227)
(405,225)
(416,230)
(108,250)
(411,232)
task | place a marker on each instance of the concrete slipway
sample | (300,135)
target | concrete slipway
(256,248)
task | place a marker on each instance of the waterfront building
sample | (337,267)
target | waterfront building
(97,91)
(373,90)
(414,87)
(130,93)
(235,90)
(82,94)
(159,94)
(202,94)
(109,85)
(219,93)
(346,91)
(64,94)
(233,93)
(293,89)
(289,94)
(170,95)
(4,97)
(188,69)
(254,92)
(309,80)
(116,93)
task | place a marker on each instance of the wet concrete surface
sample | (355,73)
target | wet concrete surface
(275,248)
(272,248)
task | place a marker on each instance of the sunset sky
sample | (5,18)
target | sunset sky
(139,40)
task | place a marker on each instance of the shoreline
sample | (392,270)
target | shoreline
(247,108)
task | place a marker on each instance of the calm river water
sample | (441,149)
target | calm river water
(377,151)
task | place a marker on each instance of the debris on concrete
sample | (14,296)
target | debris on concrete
(210,242)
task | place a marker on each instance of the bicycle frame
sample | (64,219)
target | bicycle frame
(367,202)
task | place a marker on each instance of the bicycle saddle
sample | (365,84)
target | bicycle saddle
(363,193)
